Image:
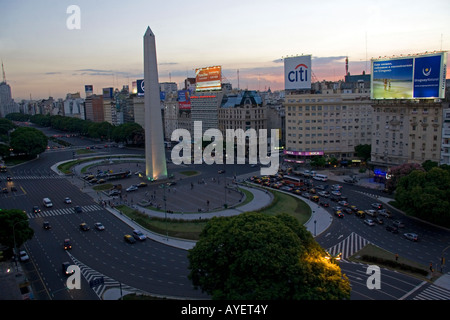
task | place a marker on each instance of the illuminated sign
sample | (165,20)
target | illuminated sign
(413,77)
(297,73)
(209,78)
(303,153)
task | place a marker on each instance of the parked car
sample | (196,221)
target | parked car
(131,188)
(350,180)
(411,236)
(23,256)
(114,192)
(369,222)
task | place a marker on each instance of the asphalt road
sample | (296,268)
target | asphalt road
(159,269)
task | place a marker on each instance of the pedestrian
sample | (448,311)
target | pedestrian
(396,257)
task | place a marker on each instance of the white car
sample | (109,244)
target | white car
(131,188)
(23,255)
(369,222)
(138,235)
(67,200)
(99,226)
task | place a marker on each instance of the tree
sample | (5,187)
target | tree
(426,195)
(363,151)
(428,165)
(318,162)
(257,256)
(17,219)
(396,173)
(30,141)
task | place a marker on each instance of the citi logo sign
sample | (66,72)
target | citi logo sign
(299,74)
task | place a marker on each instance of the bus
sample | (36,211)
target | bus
(320,177)
(292,180)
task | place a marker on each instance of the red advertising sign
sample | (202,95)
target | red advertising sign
(209,78)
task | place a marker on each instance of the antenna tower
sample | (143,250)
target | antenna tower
(3,72)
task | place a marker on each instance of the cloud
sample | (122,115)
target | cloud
(52,73)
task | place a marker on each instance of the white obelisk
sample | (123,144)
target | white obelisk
(155,157)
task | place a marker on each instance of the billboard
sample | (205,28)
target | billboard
(412,77)
(297,72)
(209,78)
(88,89)
(108,93)
(140,87)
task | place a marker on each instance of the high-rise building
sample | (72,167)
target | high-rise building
(329,121)
(94,108)
(204,109)
(73,106)
(407,131)
(242,110)
(7,104)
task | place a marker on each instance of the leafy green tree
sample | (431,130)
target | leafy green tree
(426,195)
(256,256)
(318,162)
(5,126)
(363,151)
(27,140)
(428,165)
(396,173)
(18,117)
(17,219)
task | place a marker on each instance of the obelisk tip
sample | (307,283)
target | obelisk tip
(149,32)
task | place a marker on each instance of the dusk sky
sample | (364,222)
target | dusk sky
(43,58)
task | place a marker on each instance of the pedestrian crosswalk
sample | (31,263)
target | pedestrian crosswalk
(349,246)
(92,275)
(63,211)
(433,292)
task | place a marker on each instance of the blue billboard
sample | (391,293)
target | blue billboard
(416,77)
(140,87)
(427,76)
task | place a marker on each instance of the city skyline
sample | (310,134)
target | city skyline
(43,57)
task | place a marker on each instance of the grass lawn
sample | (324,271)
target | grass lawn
(387,259)
(285,203)
(173,228)
(189,173)
(187,229)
